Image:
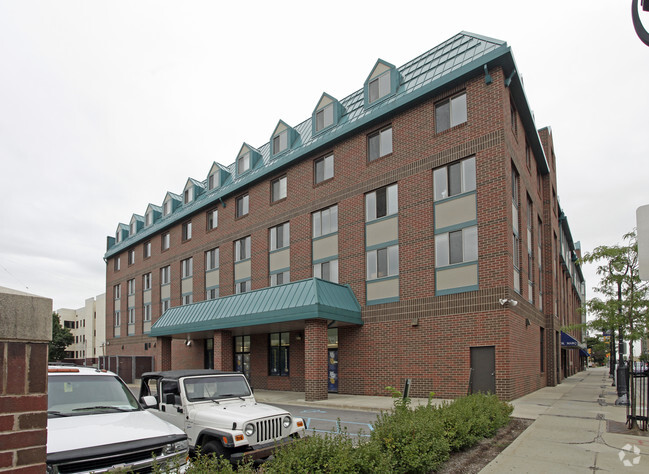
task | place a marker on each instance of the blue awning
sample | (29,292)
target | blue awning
(583,353)
(568,341)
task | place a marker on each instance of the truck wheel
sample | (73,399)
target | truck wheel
(215,447)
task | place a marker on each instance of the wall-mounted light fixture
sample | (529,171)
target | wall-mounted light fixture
(507,302)
(188,342)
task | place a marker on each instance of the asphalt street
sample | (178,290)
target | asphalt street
(322,420)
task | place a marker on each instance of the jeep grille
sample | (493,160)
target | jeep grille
(269,429)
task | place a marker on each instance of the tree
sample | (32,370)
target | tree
(61,338)
(598,349)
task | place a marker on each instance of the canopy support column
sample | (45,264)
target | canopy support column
(315,360)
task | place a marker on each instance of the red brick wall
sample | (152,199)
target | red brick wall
(23,407)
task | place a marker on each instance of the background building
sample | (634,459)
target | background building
(88,326)
(411,230)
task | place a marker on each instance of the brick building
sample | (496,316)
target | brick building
(408,231)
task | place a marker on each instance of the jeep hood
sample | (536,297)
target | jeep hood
(229,412)
(84,431)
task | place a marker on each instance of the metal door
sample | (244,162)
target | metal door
(483,369)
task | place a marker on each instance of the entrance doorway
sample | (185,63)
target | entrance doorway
(483,369)
(332,365)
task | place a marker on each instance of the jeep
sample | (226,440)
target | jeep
(219,413)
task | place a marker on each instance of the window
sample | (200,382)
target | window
(528,156)
(132,228)
(188,195)
(164,306)
(242,355)
(242,206)
(280,142)
(456,247)
(324,117)
(382,202)
(148,218)
(280,278)
(117,292)
(116,264)
(187,230)
(242,287)
(325,221)
(242,249)
(212,180)
(379,143)
(383,262)
(187,267)
(131,316)
(278,189)
(211,293)
(539,229)
(515,232)
(379,87)
(188,299)
(146,281)
(131,257)
(165,241)
(530,251)
(165,275)
(513,118)
(324,169)
(117,318)
(146,249)
(450,112)
(146,312)
(212,219)
(131,286)
(212,259)
(243,163)
(280,236)
(166,210)
(454,179)
(278,353)
(542,349)
(326,270)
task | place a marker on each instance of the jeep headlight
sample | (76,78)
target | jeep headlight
(177,447)
(249,430)
(286,421)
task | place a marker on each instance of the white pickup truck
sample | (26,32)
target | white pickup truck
(95,424)
(219,413)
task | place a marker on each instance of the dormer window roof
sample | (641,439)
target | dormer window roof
(282,140)
(121,233)
(247,159)
(152,214)
(170,203)
(137,222)
(192,190)
(217,176)
(326,114)
(382,82)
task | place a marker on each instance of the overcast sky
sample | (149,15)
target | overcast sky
(106,106)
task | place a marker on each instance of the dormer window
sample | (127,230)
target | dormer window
(379,87)
(118,236)
(188,196)
(167,207)
(324,117)
(280,142)
(131,230)
(148,218)
(212,180)
(243,163)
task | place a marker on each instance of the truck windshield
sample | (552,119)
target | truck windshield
(215,388)
(73,395)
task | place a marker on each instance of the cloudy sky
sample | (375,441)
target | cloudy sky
(106,106)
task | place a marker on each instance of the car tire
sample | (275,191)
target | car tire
(215,447)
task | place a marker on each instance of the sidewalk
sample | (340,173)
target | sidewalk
(570,433)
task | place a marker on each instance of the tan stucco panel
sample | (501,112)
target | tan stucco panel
(146,297)
(383,289)
(455,211)
(326,247)
(242,270)
(187,286)
(382,231)
(279,260)
(378,70)
(131,301)
(146,326)
(165,292)
(457,277)
(325,101)
(212,279)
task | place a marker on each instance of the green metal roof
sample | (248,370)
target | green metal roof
(451,62)
(306,299)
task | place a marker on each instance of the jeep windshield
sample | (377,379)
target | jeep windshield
(74,395)
(216,388)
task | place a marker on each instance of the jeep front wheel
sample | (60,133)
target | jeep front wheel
(215,447)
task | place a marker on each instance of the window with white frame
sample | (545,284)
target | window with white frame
(211,293)
(457,178)
(383,262)
(280,278)
(132,228)
(280,142)
(379,87)
(381,203)
(164,305)
(325,221)
(165,275)
(278,189)
(148,218)
(187,267)
(450,112)
(131,315)
(187,230)
(212,259)
(130,284)
(117,292)
(459,246)
(212,180)
(539,240)
(146,312)
(188,195)
(146,249)
(242,249)
(242,207)
(146,281)
(530,251)
(165,241)
(242,286)
(324,117)
(117,318)
(117,263)
(326,270)
(243,163)
(212,219)
(280,236)
(166,207)
(323,169)
(131,257)
(516,240)
(188,299)
(379,144)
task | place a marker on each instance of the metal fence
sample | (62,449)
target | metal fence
(636,410)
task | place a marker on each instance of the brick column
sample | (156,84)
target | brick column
(315,360)
(223,351)
(164,346)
